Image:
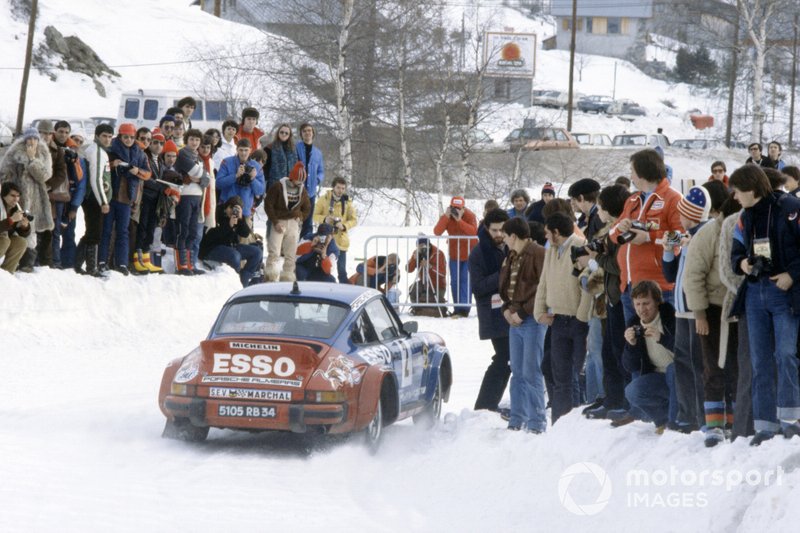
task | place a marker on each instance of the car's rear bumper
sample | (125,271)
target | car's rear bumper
(294,417)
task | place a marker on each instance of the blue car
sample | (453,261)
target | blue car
(307,358)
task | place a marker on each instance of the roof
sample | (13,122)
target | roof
(642,9)
(343,293)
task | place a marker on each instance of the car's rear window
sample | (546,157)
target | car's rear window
(281,317)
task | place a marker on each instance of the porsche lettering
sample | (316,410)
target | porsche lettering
(260,365)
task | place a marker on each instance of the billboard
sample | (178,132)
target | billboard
(509,55)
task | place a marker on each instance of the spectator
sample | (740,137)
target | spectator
(143,138)
(538,233)
(167,207)
(660,152)
(459,221)
(152,190)
(227,145)
(167,126)
(719,173)
(240,176)
(519,203)
(381,272)
(14,227)
(179,134)
(792,174)
(490,205)
(430,285)
(534,212)
(286,205)
(188,214)
(765,249)
(57,192)
(177,112)
(316,259)
(485,261)
(96,203)
(757,158)
(77,172)
(216,140)
(648,356)
(624,181)
(519,280)
(27,164)
(335,208)
(564,306)
(221,243)
(187,105)
(282,155)
(777,179)
(311,157)
(248,129)
(656,207)
(208,204)
(774,150)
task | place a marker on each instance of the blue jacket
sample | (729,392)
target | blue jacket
(228,188)
(485,261)
(315,167)
(77,188)
(514,213)
(134,157)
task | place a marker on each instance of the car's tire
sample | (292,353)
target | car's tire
(433,411)
(183,429)
(373,433)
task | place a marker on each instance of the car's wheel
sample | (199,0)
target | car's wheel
(183,429)
(433,411)
(374,430)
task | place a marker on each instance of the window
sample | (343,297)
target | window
(589,25)
(216,110)
(151,109)
(384,326)
(502,88)
(614,25)
(131,108)
(197,114)
(363,332)
(298,318)
(566,24)
(559,135)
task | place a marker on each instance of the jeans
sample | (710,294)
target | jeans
(743,413)
(526,348)
(199,230)
(568,352)
(147,222)
(688,373)
(68,245)
(341,266)
(459,285)
(496,376)
(116,220)
(233,257)
(186,221)
(594,361)
(773,352)
(307,229)
(654,394)
(58,231)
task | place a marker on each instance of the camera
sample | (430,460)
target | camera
(674,238)
(323,239)
(452,212)
(597,246)
(70,156)
(638,331)
(629,235)
(422,253)
(237,211)
(27,214)
(761,266)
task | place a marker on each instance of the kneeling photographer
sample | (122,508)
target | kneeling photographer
(316,259)
(14,227)
(649,357)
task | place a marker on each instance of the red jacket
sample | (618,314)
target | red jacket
(638,262)
(437,268)
(253,137)
(468,225)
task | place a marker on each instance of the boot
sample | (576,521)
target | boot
(150,266)
(80,257)
(91,261)
(182,265)
(138,263)
(190,262)
(27,261)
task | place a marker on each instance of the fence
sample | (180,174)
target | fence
(430,287)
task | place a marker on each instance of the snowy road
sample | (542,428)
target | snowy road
(80,445)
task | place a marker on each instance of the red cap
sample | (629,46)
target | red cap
(298,173)
(457,201)
(158,136)
(170,147)
(127,129)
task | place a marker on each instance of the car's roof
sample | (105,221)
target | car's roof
(344,293)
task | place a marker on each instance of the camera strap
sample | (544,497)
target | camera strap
(761,246)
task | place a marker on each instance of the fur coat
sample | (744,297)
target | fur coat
(30,176)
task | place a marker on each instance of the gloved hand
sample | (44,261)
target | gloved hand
(205,181)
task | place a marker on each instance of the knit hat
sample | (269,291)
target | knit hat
(548,189)
(248,112)
(127,129)
(422,239)
(158,136)
(583,187)
(696,205)
(298,173)
(45,126)
(324,229)
(170,147)
(78,132)
(166,118)
(457,201)
(30,133)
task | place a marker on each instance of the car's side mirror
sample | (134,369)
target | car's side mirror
(412,326)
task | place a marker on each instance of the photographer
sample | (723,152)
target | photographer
(457,221)
(336,209)
(316,259)
(14,227)
(650,337)
(381,272)
(766,248)
(221,243)
(431,283)
(242,177)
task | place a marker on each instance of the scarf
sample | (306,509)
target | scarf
(208,165)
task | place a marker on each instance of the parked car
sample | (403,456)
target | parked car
(595,104)
(626,109)
(592,139)
(551,99)
(306,358)
(6,135)
(540,138)
(696,144)
(633,140)
(75,123)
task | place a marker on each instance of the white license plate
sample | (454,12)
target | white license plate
(247,411)
(250,394)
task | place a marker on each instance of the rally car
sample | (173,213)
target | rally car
(307,357)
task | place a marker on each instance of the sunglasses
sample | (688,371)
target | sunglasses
(124,137)
(283,133)
(145,139)
(157,142)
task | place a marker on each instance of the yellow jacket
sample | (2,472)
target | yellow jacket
(343,209)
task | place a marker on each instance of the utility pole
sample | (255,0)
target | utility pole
(217,8)
(572,63)
(23,91)
(794,81)
(732,78)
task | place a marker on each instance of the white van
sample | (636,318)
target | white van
(146,107)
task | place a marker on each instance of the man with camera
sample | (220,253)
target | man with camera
(335,208)
(221,243)
(316,258)
(648,355)
(14,227)
(65,207)
(459,221)
(431,283)
(240,176)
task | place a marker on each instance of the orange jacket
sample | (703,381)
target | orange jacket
(77,163)
(638,262)
(468,225)
(253,137)
(437,268)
